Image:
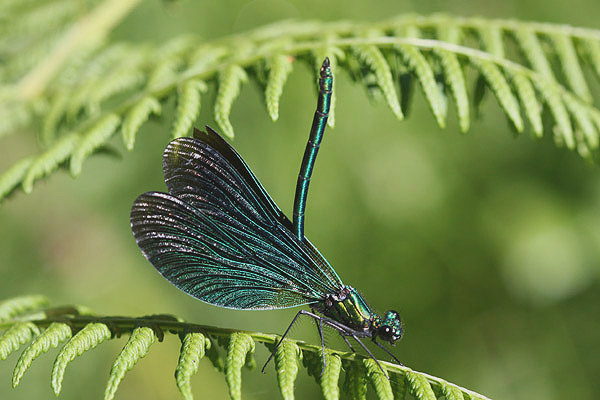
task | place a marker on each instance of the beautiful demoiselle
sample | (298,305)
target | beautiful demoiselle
(218,236)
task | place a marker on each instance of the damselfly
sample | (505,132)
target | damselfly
(218,236)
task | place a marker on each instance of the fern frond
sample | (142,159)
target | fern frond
(193,348)
(230,82)
(326,373)
(241,345)
(17,306)
(528,99)
(583,118)
(570,65)
(451,33)
(419,387)
(455,79)
(399,387)
(491,38)
(100,64)
(500,87)
(451,392)
(90,28)
(128,80)
(590,49)
(554,102)
(378,379)
(16,336)
(286,364)
(355,383)
(55,334)
(19,62)
(424,72)
(136,348)
(188,107)
(374,59)
(87,338)
(117,83)
(53,118)
(49,160)
(91,140)
(134,119)
(331,376)
(532,50)
(164,72)
(205,57)
(280,67)
(36,22)
(59,324)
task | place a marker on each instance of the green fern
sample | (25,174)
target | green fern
(400,387)
(286,364)
(134,119)
(231,79)
(55,334)
(16,336)
(280,67)
(193,349)
(48,161)
(417,386)
(378,379)
(25,321)
(326,373)
(137,347)
(90,336)
(188,107)
(355,383)
(93,139)
(374,59)
(82,92)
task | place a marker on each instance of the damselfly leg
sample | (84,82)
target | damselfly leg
(344,332)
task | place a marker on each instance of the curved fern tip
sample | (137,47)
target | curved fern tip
(280,67)
(136,348)
(193,349)
(55,334)
(240,350)
(27,186)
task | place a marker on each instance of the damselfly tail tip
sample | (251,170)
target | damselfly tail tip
(325,71)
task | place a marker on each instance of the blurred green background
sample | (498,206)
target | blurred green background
(488,244)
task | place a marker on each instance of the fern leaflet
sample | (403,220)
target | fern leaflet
(82,331)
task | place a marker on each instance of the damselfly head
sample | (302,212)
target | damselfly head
(389,328)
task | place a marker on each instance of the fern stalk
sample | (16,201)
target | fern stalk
(92,330)
(181,67)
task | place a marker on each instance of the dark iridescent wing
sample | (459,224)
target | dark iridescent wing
(219,237)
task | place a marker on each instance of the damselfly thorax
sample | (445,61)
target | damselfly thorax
(347,307)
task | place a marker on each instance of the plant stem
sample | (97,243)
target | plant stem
(167,323)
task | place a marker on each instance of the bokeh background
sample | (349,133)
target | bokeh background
(488,244)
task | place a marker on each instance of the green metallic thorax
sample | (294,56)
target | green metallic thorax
(351,309)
